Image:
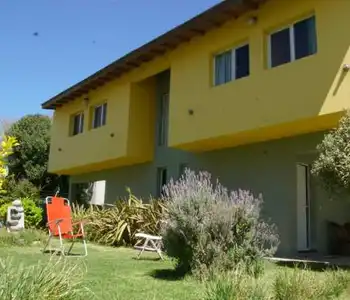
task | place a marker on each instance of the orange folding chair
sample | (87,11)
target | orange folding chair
(59,222)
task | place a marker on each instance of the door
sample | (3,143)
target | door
(303,207)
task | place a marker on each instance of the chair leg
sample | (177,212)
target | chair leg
(85,247)
(70,248)
(156,247)
(62,246)
(143,248)
(48,243)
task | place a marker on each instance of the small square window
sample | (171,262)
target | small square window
(77,124)
(231,65)
(99,115)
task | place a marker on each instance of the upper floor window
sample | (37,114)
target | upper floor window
(231,65)
(99,115)
(294,42)
(163,120)
(77,123)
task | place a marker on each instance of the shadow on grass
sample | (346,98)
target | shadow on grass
(167,274)
(59,253)
(147,258)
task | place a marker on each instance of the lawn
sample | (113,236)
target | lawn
(115,273)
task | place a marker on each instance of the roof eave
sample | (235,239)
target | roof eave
(199,25)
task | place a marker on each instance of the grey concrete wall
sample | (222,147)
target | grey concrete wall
(142,178)
(268,168)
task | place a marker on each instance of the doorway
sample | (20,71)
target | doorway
(303,207)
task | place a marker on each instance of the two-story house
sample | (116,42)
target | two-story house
(244,90)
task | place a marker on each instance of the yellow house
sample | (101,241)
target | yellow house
(244,90)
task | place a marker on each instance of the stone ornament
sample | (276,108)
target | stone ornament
(15,216)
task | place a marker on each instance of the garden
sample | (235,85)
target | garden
(215,242)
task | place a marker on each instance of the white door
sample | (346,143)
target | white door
(98,192)
(303,207)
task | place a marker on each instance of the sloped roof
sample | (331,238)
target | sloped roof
(199,25)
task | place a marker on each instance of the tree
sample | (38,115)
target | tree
(6,149)
(332,165)
(30,159)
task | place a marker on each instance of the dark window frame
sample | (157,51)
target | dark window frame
(292,47)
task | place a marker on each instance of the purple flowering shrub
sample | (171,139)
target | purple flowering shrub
(208,227)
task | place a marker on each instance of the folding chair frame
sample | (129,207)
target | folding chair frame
(154,247)
(73,240)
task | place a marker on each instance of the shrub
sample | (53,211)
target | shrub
(305,284)
(332,165)
(32,213)
(209,227)
(6,149)
(56,280)
(118,225)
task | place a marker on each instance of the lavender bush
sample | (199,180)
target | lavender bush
(209,228)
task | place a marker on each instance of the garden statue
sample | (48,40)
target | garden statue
(15,216)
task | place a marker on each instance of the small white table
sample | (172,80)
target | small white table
(151,243)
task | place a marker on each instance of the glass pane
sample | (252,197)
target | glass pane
(97,116)
(223,68)
(81,123)
(104,115)
(76,124)
(305,38)
(242,61)
(280,48)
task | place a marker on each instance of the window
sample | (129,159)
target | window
(161,180)
(163,120)
(292,43)
(77,123)
(231,65)
(182,169)
(99,116)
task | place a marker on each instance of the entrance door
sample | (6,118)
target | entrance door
(303,207)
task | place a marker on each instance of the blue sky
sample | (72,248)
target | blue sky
(47,46)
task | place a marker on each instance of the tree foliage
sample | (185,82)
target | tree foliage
(30,159)
(6,149)
(332,165)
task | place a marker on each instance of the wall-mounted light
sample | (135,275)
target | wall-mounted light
(252,20)
(86,101)
(346,67)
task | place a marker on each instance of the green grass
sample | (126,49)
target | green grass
(116,274)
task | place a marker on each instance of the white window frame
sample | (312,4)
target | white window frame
(290,27)
(103,114)
(80,124)
(233,62)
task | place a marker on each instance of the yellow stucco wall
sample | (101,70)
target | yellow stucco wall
(294,93)
(303,96)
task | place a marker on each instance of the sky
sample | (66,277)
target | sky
(46,46)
